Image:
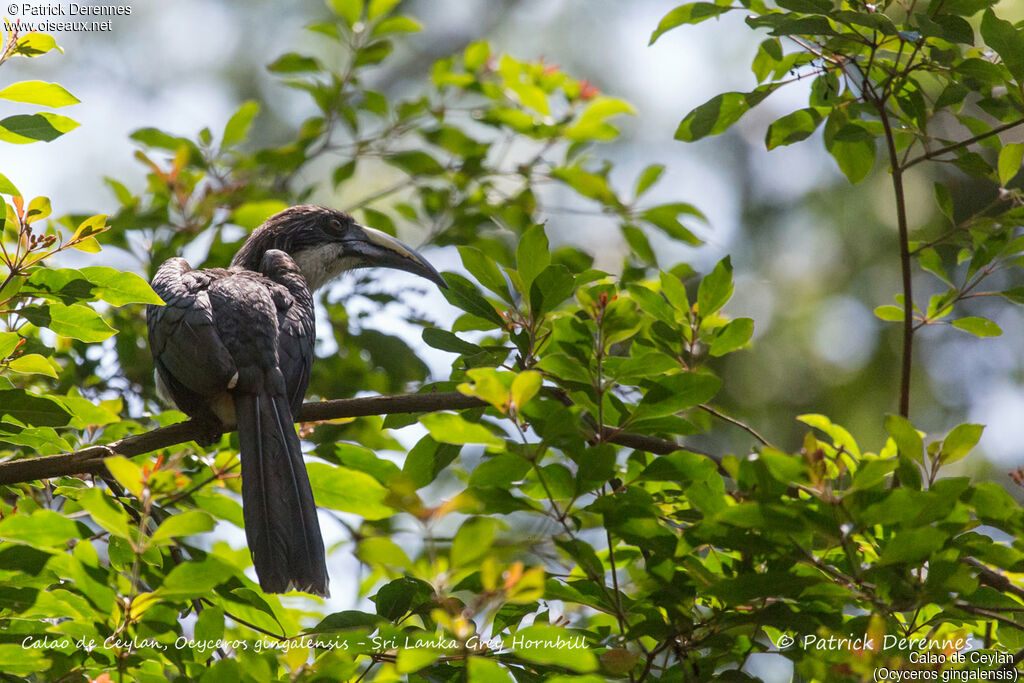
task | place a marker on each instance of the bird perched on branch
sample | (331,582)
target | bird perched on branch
(234,347)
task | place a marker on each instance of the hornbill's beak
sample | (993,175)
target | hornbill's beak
(380,250)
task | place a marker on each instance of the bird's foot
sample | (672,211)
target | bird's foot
(208,432)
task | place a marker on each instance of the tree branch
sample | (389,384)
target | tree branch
(963,143)
(90,460)
(905,265)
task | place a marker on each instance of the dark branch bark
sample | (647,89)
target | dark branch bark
(905,264)
(90,460)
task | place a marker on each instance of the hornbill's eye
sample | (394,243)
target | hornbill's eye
(335,226)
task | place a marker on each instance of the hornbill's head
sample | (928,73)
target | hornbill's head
(324,243)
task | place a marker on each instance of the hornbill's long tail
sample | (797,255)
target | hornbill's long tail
(277,502)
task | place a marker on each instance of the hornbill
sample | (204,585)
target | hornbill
(234,347)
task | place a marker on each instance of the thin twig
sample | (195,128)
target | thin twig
(963,143)
(732,420)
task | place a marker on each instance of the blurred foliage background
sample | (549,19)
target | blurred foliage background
(203,118)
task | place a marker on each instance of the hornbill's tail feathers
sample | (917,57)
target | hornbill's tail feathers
(281,526)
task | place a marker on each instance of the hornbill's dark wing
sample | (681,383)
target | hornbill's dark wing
(192,362)
(244,339)
(277,502)
(296,333)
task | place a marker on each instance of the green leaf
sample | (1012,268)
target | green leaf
(677,392)
(39,92)
(501,471)
(666,217)
(427,459)
(717,114)
(210,624)
(839,435)
(379,8)
(488,385)
(931,261)
(343,172)
(464,295)
(475,55)
(960,442)
(119,288)
(8,342)
(87,413)
(416,163)
(554,645)
(872,472)
(251,214)
(715,289)
(1007,40)
(349,10)
(675,292)
(691,13)
(907,439)
(483,670)
(793,127)
(399,24)
(1010,157)
(12,286)
(293,63)
(195,579)
(22,129)
(34,44)
(347,490)
(93,225)
(592,123)
(41,529)
(591,185)
(552,286)
(127,473)
(396,598)
(807,6)
(345,620)
(374,53)
(485,271)
(912,545)
(17,660)
(889,313)
(7,187)
(992,502)
(647,178)
(473,539)
(32,364)
(733,336)
(76,321)
(979,327)
(412,659)
(851,145)
(237,127)
(38,209)
(105,512)
(454,429)
(186,523)
(532,255)
(448,341)
(525,386)
(378,550)
(40,411)
(651,364)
